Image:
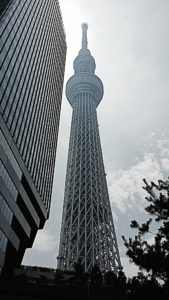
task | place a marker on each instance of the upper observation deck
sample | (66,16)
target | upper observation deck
(84,79)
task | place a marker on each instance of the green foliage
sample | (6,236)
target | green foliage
(141,288)
(152,258)
(78,267)
(110,279)
(96,277)
(81,279)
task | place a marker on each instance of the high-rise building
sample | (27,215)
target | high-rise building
(32,62)
(87,232)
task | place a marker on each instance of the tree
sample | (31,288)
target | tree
(96,277)
(78,267)
(110,279)
(153,259)
(81,278)
(117,283)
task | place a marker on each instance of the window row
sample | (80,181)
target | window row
(3,241)
(8,181)
(10,155)
(5,210)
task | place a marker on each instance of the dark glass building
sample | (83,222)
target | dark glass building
(32,63)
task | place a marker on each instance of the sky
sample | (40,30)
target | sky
(129,41)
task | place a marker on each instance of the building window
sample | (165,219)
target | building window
(10,155)
(5,210)
(8,181)
(3,241)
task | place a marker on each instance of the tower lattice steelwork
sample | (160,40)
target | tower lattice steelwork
(87,232)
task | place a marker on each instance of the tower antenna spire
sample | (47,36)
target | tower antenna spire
(84,35)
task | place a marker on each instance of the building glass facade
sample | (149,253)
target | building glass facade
(32,62)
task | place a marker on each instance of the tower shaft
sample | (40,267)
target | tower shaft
(87,232)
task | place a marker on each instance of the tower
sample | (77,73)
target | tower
(87,231)
(33,51)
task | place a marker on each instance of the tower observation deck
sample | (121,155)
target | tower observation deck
(87,231)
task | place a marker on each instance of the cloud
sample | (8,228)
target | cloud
(44,241)
(125,186)
(129,268)
(165,163)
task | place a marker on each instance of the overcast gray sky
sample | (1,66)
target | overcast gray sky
(130,44)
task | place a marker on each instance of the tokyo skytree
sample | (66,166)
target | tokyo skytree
(87,231)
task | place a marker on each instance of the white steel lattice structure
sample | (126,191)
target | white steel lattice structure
(87,231)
